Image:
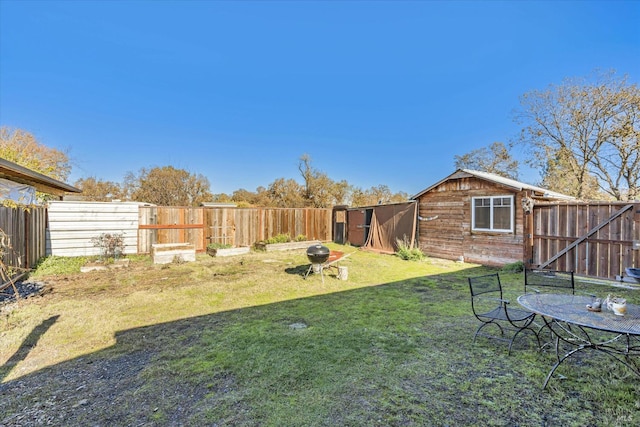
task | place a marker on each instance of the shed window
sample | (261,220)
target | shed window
(492,213)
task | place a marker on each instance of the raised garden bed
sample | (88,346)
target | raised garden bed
(286,246)
(228,251)
(164,253)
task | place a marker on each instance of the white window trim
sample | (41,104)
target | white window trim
(493,230)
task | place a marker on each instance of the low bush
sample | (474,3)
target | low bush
(408,253)
(53,265)
(514,267)
(219,246)
(111,244)
(280,238)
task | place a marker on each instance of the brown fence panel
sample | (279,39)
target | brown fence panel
(255,224)
(162,224)
(236,226)
(25,236)
(593,239)
(220,226)
(318,224)
(14,245)
(248,226)
(36,236)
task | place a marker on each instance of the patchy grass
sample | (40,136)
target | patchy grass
(245,341)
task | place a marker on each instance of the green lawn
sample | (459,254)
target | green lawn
(246,341)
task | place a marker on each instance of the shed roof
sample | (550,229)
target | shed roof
(507,182)
(355,208)
(42,183)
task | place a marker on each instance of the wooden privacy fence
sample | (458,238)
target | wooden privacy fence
(235,226)
(596,239)
(24,229)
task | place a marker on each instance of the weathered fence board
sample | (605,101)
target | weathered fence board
(593,239)
(164,224)
(236,226)
(25,231)
(221,226)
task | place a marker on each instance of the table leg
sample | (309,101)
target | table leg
(621,355)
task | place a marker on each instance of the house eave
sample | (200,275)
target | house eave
(42,183)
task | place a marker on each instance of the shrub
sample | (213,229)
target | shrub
(514,267)
(280,238)
(52,265)
(219,246)
(111,244)
(406,252)
(301,238)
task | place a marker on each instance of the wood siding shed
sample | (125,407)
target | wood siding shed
(445,218)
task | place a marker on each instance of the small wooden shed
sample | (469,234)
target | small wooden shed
(477,217)
(378,227)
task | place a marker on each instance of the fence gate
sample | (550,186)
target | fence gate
(597,239)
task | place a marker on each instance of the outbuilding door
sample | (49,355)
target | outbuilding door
(358,221)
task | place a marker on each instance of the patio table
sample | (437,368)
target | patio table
(567,317)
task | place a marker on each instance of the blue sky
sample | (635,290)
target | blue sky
(375,92)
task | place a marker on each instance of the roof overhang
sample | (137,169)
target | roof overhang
(42,183)
(499,180)
(355,208)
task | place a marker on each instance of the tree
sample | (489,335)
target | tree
(399,197)
(320,191)
(245,198)
(555,177)
(98,190)
(21,147)
(308,174)
(588,131)
(221,198)
(167,186)
(263,197)
(376,195)
(493,159)
(341,192)
(360,198)
(286,193)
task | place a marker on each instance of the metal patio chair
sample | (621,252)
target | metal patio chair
(549,281)
(490,308)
